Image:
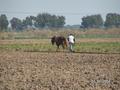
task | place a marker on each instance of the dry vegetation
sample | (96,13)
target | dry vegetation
(45,34)
(47,41)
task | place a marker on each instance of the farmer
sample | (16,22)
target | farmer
(71,41)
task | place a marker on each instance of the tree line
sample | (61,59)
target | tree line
(46,20)
(43,20)
(96,21)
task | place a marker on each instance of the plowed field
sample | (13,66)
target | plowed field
(59,71)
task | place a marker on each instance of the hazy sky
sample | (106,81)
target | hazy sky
(73,10)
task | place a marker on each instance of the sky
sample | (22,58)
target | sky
(73,10)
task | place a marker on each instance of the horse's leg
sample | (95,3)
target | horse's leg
(63,46)
(57,48)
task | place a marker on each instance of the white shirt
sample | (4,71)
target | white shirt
(71,39)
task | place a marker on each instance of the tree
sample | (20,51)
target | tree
(93,21)
(61,21)
(46,20)
(3,22)
(39,23)
(27,22)
(16,24)
(112,20)
(53,21)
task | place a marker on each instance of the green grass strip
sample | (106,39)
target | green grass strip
(104,47)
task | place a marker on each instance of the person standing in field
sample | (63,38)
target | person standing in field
(71,41)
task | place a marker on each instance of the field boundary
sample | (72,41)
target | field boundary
(72,52)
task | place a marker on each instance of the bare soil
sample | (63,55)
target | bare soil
(59,71)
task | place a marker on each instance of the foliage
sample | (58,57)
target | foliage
(93,21)
(27,22)
(3,22)
(46,20)
(112,20)
(16,23)
(43,20)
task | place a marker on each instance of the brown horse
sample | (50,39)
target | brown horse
(59,40)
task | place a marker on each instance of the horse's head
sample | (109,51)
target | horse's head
(53,40)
